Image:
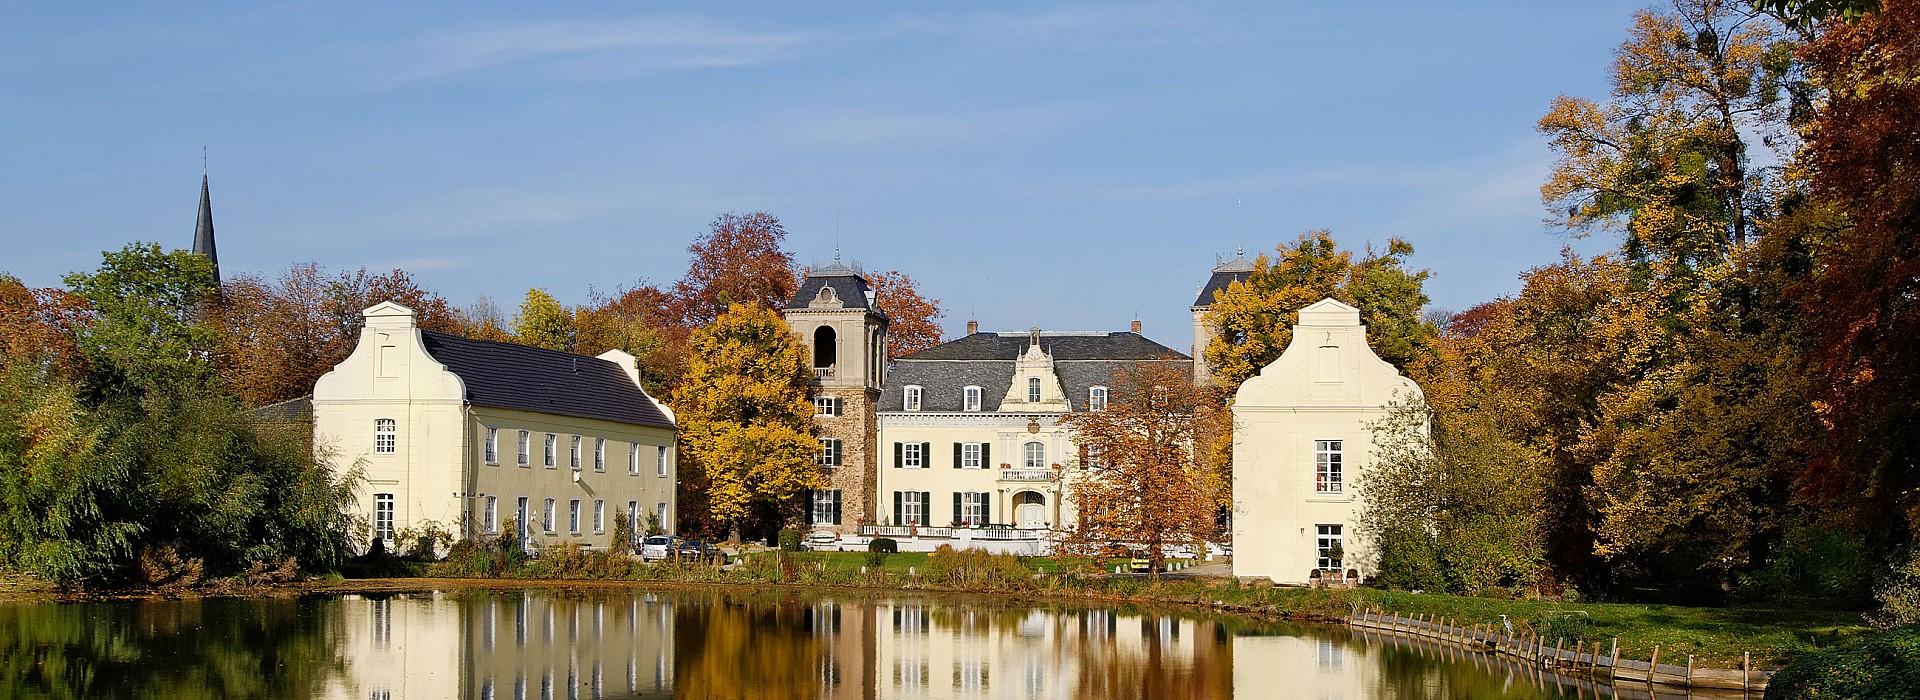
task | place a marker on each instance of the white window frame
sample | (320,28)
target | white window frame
(551,514)
(911,456)
(971,455)
(1096,398)
(660,460)
(633,459)
(1030,458)
(824,459)
(633,521)
(910,397)
(548,457)
(826,405)
(822,511)
(383,517)
(573,453)
(1033,390)
(1328,466)
(912,509)
(1324,537)
(600,454)
(386,436)
(526,448)
(490,515)
(573,516)
(492,451)
(660,511)
(973,508)
(599,516)
(970,398)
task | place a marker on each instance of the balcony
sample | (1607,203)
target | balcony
(823,372)
(1028,475)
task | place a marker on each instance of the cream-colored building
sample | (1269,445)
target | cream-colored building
(480,437)
(1300,438)
(972,451)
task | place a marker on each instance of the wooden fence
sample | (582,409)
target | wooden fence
(1593,662)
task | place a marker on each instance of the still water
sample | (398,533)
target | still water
(627,643)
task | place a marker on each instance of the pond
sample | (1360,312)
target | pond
(715,643)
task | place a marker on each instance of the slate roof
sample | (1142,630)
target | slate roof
(298,410)
(203,230)
(1224,273)
(526,378)
(986,360)
(848,284)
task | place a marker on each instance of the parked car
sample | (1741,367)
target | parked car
(1139,563)
(821,542)
(658,547)
(695,550)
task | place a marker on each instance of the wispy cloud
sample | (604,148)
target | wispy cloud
(589,50)
(919,129)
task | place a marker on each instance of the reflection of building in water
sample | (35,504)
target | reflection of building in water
(508,644)
(1318,668)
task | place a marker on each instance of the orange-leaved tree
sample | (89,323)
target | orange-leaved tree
(738,261)
(1145,479)
(913,321)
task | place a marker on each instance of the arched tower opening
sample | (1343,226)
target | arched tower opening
(826,347)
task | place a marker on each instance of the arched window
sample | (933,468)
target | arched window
(1033,390)
(826,347)
(972,396)
(1036,455)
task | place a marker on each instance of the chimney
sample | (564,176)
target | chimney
(1136,325)
(973,327)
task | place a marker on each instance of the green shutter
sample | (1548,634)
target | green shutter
(986,508)
(926,455)
(956,507)
(986,458)
(899,458)
(897,520)
(836,506)
(956,455)
(836,455)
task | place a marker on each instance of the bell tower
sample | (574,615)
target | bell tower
(845,333)
(1225,273)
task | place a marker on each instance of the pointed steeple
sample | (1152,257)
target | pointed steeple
(203,231)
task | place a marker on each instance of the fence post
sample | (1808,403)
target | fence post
(1746,663)
(1653,665)
(1613,670)
(1689,670)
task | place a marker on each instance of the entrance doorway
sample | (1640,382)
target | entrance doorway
(1030,510)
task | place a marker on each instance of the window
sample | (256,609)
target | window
(573,453)
(660,511)
(599,515)
(490,518)
(826,507)
(1036,455)
(826,405)
(829,456)
(493,445)
(633,459)
(970,508)
(971,455)
(599,454)
(386,436)
(911,399)
(573,516)
(912,455)
(910,507)
(546,523)
(971,398)
(1097,398)
(383,517)
(660,461)
(526,447)
(633,521)
(1033,390)
(548,454)
(1326,466)
(1327,547)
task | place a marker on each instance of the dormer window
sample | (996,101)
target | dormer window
(911,398)
(1097,398)
(971,398)
(826,296)
(1033,390)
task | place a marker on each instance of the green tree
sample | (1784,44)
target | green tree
(746,422)
(543,322)
(146,325)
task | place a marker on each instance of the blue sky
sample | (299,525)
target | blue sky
(1055,164)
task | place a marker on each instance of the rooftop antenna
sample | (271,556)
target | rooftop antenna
(203,159)
(1240,228)
(836,234)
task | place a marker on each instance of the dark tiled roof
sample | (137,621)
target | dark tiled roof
(850,288)
(298,410)
(1217,282)
(526,378)
(986,360)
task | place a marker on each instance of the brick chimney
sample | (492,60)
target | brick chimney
(973,327)
(1136,325)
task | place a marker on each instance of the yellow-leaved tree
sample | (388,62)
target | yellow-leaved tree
(747,448)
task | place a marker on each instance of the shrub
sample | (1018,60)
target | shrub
(883,544)
(1881,665)
(1899,595)
(789,540)
(1558,625)
(876,560)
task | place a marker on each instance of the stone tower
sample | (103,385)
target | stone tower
(1224,273)
(845,332)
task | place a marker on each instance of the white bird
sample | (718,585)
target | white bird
(1508,624)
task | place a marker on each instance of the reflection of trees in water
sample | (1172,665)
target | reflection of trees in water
(730,648)
(1173,657)
(275,648)
(1408,670)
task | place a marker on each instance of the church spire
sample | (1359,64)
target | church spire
(203,230)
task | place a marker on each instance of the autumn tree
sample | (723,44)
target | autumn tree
(41,326)
(746,422)
(482,320)
(629,322)
(1252,321)
(913,321)
(1145,479)
(543,322)
(738,261)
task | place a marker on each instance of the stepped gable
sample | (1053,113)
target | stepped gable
(527,378)
(986,360)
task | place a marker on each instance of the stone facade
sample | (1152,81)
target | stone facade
(855,428)
(835,316)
